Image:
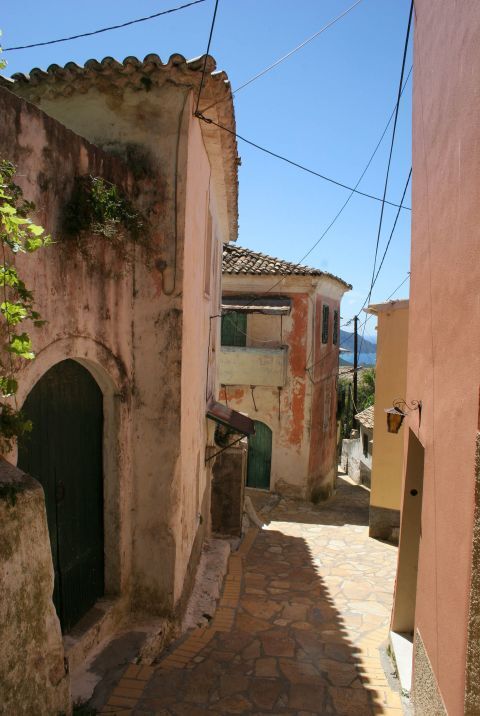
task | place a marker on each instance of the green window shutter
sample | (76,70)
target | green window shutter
(234,329)
(335,328)
(325,319)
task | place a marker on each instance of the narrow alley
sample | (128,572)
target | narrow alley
(300,628)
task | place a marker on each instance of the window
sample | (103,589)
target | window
(325,318)
(234,329)
(335,328)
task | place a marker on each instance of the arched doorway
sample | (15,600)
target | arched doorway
(259,457)
(64,452)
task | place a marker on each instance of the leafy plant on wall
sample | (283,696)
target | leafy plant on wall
(98,209)
(18,234)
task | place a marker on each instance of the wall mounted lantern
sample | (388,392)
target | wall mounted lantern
(399,410)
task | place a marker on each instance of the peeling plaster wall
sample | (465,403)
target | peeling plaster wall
(129,330)
(303,433)
(32,670)
(89,317)
(443,355)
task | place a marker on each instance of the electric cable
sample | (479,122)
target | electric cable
(286,56)
(387,174)
(208,120)
(103,29)
(206,55)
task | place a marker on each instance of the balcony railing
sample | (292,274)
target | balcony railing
(253,366)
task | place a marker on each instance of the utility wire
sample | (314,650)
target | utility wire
(279,281)
(344,205)
(342,343)
(206,55)
(296,164)
(393,229)
(387,174)
(104,29)
(285,57)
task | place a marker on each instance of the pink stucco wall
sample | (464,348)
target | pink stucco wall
(444,345)
(141,329)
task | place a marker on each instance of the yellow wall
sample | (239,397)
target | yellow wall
(390,384)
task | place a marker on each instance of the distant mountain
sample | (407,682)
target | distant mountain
(346,341)
(367,355)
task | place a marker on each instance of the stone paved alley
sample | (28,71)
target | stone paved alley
(304,612)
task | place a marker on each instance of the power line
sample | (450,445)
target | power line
(393,229)
(340,211)
(279,281)
(103,29)
(295,164)
(206,55)
(387,174)
(285,57)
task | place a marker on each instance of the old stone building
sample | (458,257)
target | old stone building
(126,362)
(279,365)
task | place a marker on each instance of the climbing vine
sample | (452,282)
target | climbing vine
(18,234)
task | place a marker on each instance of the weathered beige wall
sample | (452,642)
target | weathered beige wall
(390,385)
(253,366)
(32,671)
(288,412)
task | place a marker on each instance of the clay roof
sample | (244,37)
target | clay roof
(239,260)
(366,417)
(109,74)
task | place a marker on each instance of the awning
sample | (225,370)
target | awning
(270,305)
(231,418)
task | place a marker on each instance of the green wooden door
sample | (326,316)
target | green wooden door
(64,452)
(259,457)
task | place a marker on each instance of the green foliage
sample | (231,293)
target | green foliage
(18,234)
(345,407)
(99,207)
(366,389)
(13,424)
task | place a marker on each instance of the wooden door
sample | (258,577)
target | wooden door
(259,457)
(64,452)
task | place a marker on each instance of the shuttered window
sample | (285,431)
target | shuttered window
(335,328)
(325,319)
(234,329)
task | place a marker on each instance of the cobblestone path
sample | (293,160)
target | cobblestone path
(305,607)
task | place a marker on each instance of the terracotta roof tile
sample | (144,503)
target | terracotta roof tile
(239,260)
(366,417)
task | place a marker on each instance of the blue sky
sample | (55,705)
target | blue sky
(324,107)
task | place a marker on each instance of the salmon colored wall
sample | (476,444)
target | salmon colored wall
(444,336)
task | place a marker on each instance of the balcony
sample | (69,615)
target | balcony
(253,366)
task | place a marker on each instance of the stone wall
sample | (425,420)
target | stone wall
(33,679)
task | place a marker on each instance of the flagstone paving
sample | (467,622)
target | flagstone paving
(304,611)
